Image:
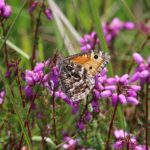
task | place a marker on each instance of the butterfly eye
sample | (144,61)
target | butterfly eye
(96,56)
(90,67)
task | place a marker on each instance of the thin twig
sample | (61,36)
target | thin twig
(20,90)
(77,15)
(54,115)
(35,43)
(5,46)
(110,127)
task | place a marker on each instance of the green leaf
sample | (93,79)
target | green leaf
(99,141)
(121,119)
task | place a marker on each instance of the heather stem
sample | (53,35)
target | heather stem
(25,123)
(146,107)
(5,47)
(20,90)
(36,38)
(110,127)
(54,115)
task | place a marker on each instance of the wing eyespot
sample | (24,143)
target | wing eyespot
(90,67)
(96,56)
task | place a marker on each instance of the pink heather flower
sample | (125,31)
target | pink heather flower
(2,95)
(144,27)
(33,78)
(106,93)
(33,6)
(70,143)
(138,58)
(123,90)
(48,13)
(141,147)
(102,89)
(129,25)
(142,71)
(116,25)
(81,124)
(6,11)
(95,105)
(28,91)
(2,4)
(111,30)
(54,74)
(123,140)
(89,42)
(39,67)
(37,75)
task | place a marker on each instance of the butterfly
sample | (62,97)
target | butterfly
(77,73)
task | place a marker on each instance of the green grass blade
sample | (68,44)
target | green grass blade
(99,141)
(98,26)
(120,115)
(17,49)
(68,33)
(130,14)
(47,140)
(12,100)
(128,11)
(12,25)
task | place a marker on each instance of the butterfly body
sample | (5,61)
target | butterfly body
(77,73)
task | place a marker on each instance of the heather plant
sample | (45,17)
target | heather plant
(35,36)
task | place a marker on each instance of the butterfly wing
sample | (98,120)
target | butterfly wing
(77,73)
(75,81)
(93,61)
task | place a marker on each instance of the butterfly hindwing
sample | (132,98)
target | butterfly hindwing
(75,81)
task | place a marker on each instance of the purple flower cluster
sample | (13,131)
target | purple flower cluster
(123,90)
(118,88)
(111,30)
(126,140)
(70,143)
(142,71)
(101,90)
(5,10)
(46,11)
(144,27)
(89,42)
(36,77)
(2,95)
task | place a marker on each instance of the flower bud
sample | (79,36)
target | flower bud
(138,58)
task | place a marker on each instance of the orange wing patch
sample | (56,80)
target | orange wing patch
(81,59)
(88,62)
